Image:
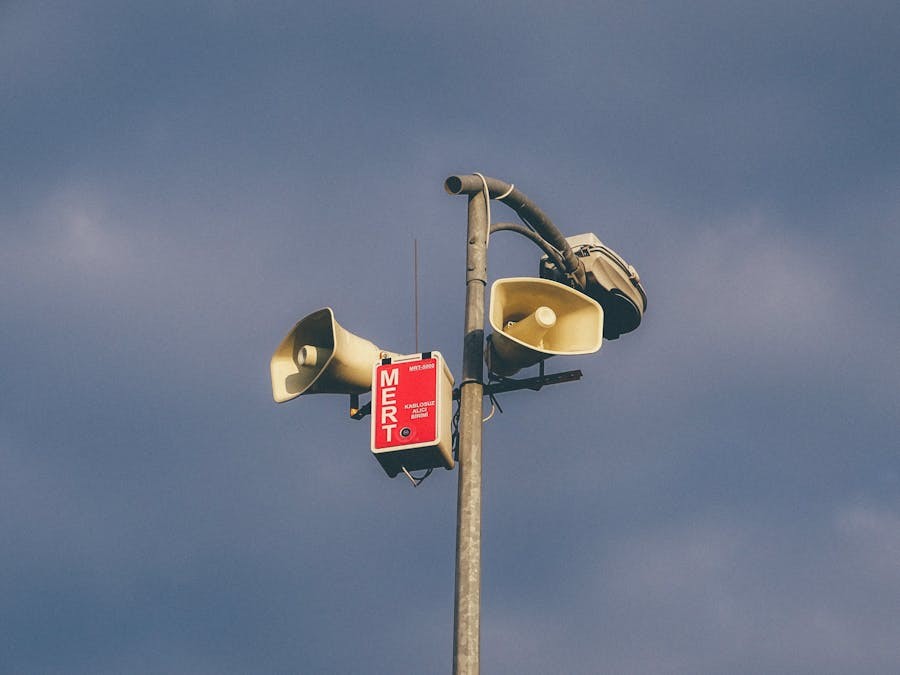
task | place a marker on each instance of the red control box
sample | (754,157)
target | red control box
(412,400)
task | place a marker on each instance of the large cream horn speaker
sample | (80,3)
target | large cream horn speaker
(534,319)
(318,356)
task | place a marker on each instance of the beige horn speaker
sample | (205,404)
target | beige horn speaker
(534,319)
(318,356)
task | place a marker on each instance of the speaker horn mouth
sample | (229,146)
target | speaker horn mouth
(319,356)
(534,319)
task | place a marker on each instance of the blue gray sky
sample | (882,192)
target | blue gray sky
(181,182)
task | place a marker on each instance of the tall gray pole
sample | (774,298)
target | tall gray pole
(467,607)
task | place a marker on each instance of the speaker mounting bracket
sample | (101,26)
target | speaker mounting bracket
(503,385)
(531,383)
(358,412)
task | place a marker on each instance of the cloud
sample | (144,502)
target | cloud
(184,184)
(871,535)
(739,595)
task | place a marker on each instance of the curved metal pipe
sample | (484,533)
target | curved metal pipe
(527,211)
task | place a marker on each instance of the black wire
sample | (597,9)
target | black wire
(454,437)
(526,221)
(553,254)
(417,481)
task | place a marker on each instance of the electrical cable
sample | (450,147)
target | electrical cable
(487,204)
(495,407)
(454,435)
(416,481)
(552,252)
(512,186)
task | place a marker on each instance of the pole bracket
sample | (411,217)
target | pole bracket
(357,412)
(531,383)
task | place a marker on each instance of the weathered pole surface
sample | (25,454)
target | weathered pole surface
(467,606)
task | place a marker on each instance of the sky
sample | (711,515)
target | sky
(181,182)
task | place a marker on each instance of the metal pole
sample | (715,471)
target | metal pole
(467,606)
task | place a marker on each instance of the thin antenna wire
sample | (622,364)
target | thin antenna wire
(416,287)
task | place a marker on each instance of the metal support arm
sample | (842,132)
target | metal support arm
(527,211)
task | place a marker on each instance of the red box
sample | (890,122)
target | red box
(412,398)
